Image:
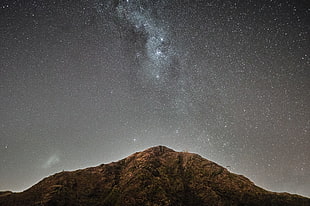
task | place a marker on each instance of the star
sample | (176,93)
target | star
(227,80)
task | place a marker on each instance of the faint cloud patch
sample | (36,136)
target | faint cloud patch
(51,161)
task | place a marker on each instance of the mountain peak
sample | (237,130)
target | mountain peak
(155,176)
(158,150)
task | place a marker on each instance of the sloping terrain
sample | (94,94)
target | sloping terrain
(156,176)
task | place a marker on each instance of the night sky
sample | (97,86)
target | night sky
(89,82)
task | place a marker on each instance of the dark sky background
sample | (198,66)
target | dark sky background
(90,82)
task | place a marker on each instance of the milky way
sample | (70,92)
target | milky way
(90,82)
(157,56)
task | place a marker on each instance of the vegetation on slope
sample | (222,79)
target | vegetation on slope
(156,176)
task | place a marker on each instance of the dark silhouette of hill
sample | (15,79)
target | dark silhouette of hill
(156,176)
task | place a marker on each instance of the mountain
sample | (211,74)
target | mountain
(156,176)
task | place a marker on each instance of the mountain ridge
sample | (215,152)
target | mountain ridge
(155,176)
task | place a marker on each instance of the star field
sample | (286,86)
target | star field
(90,82)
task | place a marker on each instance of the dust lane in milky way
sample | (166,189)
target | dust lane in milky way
(89,82)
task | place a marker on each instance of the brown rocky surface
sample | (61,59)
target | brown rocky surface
(156,176)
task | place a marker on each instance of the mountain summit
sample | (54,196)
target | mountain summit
(156,176)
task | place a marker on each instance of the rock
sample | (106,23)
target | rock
(156,176)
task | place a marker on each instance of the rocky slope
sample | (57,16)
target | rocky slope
(156,176)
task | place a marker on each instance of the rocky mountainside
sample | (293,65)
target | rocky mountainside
(156,176)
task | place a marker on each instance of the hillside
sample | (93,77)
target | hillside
(156,176)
